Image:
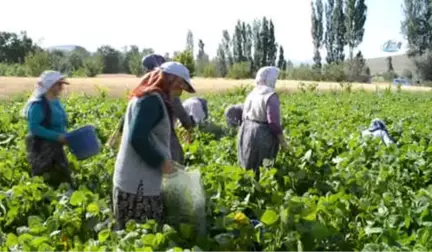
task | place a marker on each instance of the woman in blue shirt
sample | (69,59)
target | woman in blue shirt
(47,122)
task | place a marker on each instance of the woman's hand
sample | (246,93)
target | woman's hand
(283,142)
(188,136)
(167,167)
(62,139)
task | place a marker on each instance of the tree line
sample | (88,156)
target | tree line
(417,28)
(337,29)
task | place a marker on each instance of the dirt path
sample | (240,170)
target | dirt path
(119,85)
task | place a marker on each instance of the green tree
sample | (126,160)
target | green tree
(77,56)
(38,62)
(147,51)
(317,31)
(338,20)
(221,62)
(264,32)
(247,45)
(226,44)
(355,19)
(257,45)
(281,60)
(357,68)
(111,59)
(60,62)
(131,54)
(407,74)
(187,59)
(329,32)
(134,63)
(417,27)
(190,41)
(237,43)
(94,65)
(14,47)
(239,71)
(290,64)
(271,45)
(389,64)
(202,58)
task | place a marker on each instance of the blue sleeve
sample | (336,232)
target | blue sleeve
(66,122)
(35,117)
(148,113)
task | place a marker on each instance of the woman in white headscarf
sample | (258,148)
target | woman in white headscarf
(47,123)
(261,132)
(197,109)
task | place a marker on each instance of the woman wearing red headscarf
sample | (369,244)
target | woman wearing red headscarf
(144,152)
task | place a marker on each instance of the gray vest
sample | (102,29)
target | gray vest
(130,169)
(255,106)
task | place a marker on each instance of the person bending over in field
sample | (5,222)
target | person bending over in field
(47,123)
(233,115)
(261,133)
(197,109)
(150,63)
(144,153)
(378,129)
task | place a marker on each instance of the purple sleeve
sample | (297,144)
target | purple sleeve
(273,114)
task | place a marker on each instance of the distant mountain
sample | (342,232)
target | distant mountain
(400,63)
(378,65)
(64,48)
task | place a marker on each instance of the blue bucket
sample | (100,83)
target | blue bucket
(83,142)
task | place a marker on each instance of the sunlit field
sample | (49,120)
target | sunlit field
(118,85)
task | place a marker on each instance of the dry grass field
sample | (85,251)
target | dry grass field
(119,85)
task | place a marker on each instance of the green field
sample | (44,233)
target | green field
(330,191)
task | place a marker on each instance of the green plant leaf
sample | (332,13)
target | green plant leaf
(104,235)
(269,217)
(77,198)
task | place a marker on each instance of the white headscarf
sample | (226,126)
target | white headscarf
(46,80)
(266,78)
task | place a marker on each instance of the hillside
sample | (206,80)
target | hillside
(65,48)
(400,62)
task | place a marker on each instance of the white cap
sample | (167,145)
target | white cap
(48,78)
(178,70)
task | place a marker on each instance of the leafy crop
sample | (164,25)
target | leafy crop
(330,191)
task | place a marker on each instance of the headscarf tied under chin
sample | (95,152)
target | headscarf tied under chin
(266,79)
(46,81)
(155,81)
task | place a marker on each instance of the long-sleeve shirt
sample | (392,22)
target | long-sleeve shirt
(273,114)
(58,123)
(149,112)
(145,144)
(181,114)
(263,107)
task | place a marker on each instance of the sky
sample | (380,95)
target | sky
(163,25)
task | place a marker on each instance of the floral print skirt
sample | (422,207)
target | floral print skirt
(48,159)
(138,207)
